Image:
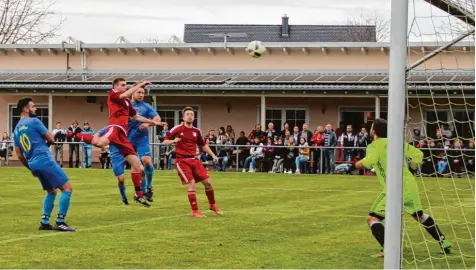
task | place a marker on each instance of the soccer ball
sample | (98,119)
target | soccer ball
(255,49)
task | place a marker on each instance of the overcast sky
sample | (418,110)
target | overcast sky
(96,21)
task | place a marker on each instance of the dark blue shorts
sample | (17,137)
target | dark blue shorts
(142,146)
(49,173)
(117,159)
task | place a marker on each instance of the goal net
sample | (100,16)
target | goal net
(440,121)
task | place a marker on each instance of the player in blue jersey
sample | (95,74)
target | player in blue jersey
(33,152)
(139,138)
(118,162)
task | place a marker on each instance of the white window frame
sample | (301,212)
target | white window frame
(283,114)
(10,116)
(177,120)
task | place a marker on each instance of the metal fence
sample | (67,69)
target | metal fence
(238,154)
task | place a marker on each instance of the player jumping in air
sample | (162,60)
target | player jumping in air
(189,168)
(32,151)
(376,157)
(118,161)
(139,137)
(120,110)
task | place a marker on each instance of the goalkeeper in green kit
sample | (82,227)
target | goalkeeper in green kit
(376,158)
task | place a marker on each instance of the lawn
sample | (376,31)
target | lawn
(270,221)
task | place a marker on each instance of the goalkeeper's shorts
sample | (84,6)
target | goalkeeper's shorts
(411,204)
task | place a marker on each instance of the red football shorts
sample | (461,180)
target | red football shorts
(191,169)
(118,138)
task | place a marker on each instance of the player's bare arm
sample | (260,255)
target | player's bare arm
(21,158)
(142,119)
(169,142)
(209,151)
(157,119)
(359,165)
(132,90)
(50,140)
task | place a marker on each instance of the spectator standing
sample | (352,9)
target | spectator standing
(363,139)
(290,154)
(73,130)
(306,133)
(4,148)
(339,152)
(456,158)
(287,136)
(105,157)
(317,140)
(296,134)
(268,151)
(270,132)
(348,139)
(59,135)
(278,157)
(303,154)
(170,155)
(244,150)
(231,134)
(282,134)
(211,137)
(223,153)
(256,153)
(87,147)
(257,132)
(416,137)
(470,157)
(163,148)
(330,141)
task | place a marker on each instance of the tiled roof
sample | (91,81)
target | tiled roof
(200,33)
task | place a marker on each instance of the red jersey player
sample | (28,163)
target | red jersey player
(120,110)
(189,168)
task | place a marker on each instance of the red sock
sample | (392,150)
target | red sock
(210,195)
(192,198)
(87,138)
(137,181)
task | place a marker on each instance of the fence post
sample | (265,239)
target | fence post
(237,159)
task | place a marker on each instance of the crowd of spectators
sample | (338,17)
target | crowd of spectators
(445,154)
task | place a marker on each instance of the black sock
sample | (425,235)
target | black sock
(378,230)
(433,229)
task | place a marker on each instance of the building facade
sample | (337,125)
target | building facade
(294,82)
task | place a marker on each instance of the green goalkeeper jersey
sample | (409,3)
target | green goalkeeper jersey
(376,157)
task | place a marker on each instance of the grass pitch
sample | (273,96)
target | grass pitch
(270,221)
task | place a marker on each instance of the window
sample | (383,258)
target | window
(359,117)
(279,116)
(461,122)
(14,117)
(173,116)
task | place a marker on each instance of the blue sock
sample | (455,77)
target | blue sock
(48,205)
(143,186)
(63,206)
(122,190)
(149,172)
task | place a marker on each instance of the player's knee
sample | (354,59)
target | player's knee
(207,183)
(120,179)
(147,161)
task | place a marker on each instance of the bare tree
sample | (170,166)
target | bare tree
(28,21)
(364,28)
(457,24)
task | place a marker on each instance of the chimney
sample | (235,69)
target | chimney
(285,26)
